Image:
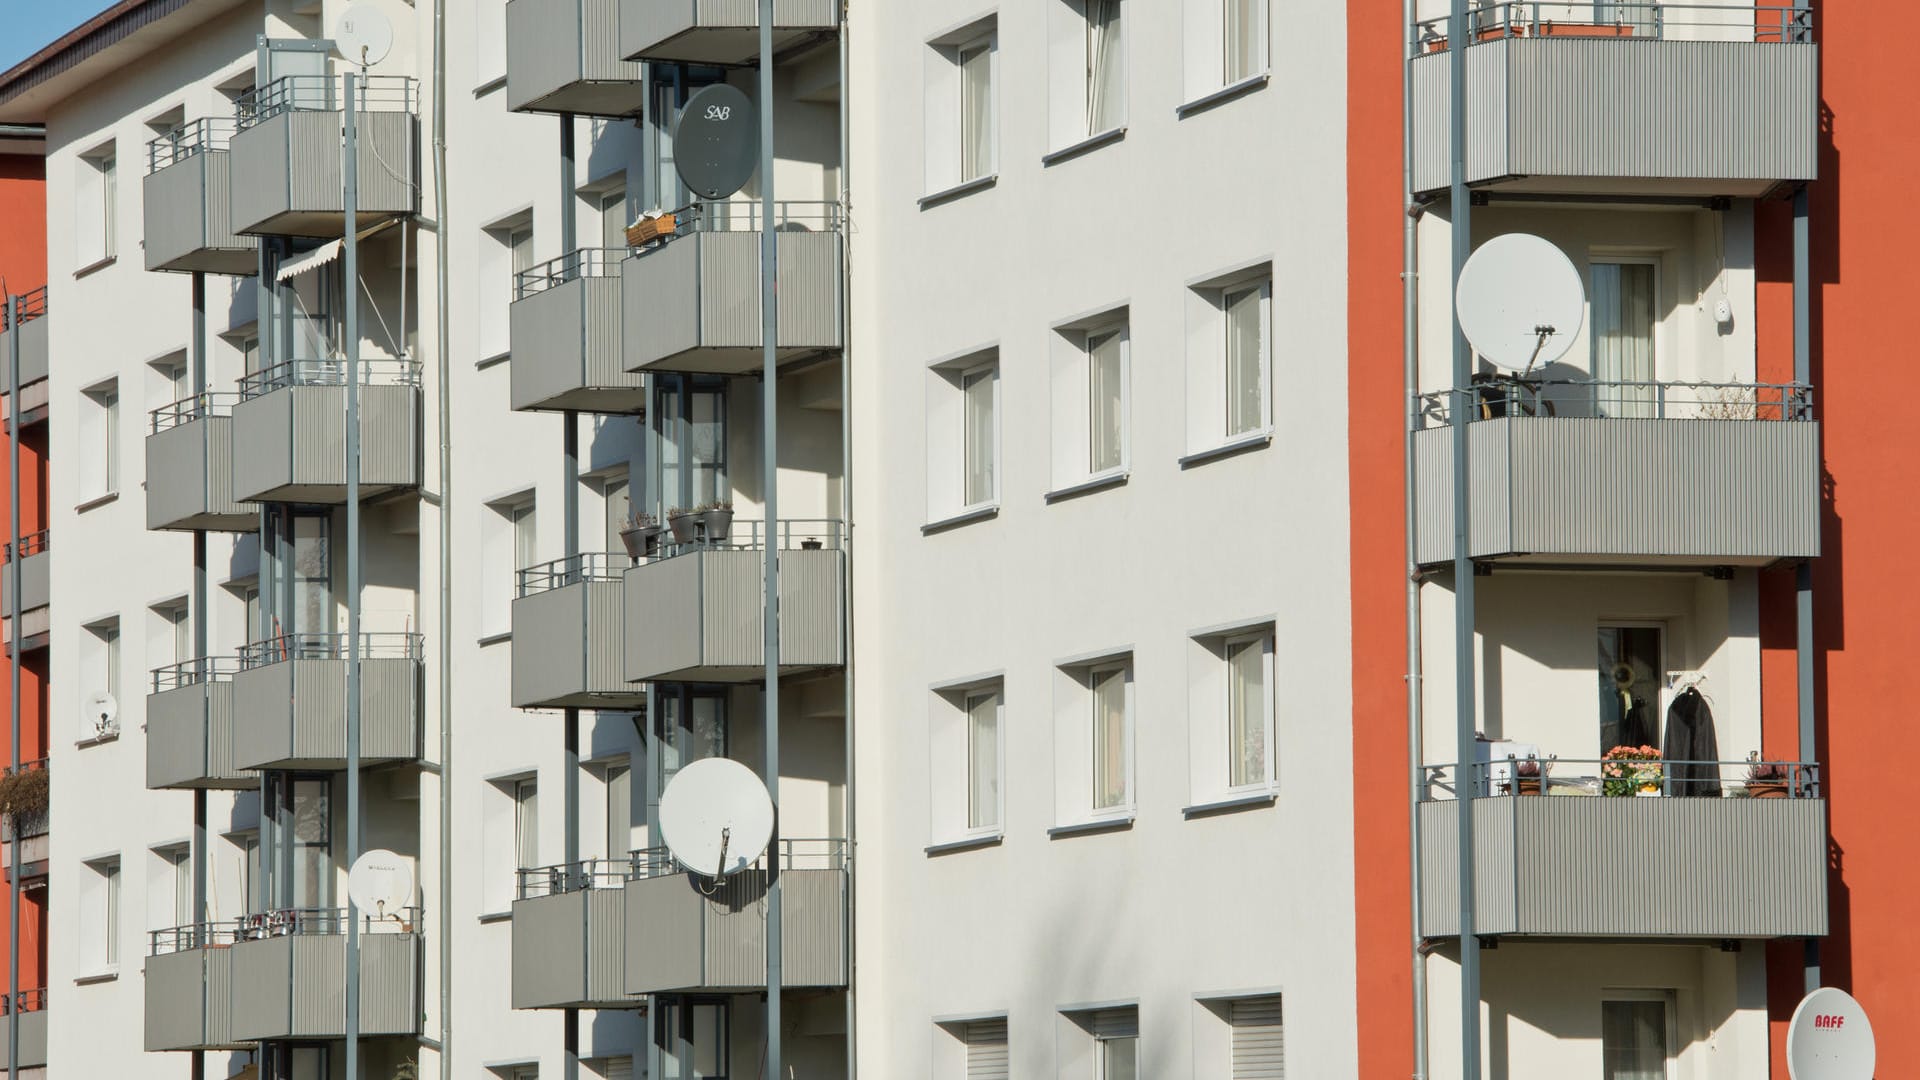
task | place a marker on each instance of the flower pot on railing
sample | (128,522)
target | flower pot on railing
(685,525)
(641,540)
(717,522)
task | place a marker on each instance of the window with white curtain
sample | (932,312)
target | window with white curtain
(1243,39)
(1624,318)
(1230,360)
(526,822)
(975,60)
(1249,760)
(99,458)
(1111,745)
(1106,400)
(1636,1035)
(983,759)
(980,391)
(1106,67)
(1246,356)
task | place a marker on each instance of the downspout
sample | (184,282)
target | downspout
(198,612)
(1410,369)
(444,614)
(770,537)
(14,648)
(570,531)
(846,537)
(1803,574)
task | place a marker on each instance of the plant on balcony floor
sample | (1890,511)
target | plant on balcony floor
(641,536)
(684,523)
(1530,775)
(1768,779)
(716,518)
(1631,770)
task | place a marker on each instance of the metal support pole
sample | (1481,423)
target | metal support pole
(1415,685)
(770,479)
(570,531)
(1461,221)
(197,611)
(1809,749)
(350,333)
(13,679)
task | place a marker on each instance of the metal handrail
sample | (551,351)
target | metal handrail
(804,853)
(323,93)
(184,141)
(391,645)
(801,853)
(283,922)
(579,263)
(537,881)
(32,305)
(1500,778)
(572,570)
(25,1001)
(1623,20)
(194,672)
(31,544)
(187,410)
(814,215)
(218,933)
(1502,396)
(328,372)
(791,534)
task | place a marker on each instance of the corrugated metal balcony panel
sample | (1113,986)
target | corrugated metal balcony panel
(569,951)
(33,350)
(568,649)
(292,714)
(189,218)
(35,591)
(289,445)
(190,479)
(1546,114)
(698,616)
(189,1000)
(680,938)
(716,31)
(563,56)
(33,1040)
(1632,868)
(698,298)
(294,987)
(285,172)
(183,751)
(1573,489)
(567,349)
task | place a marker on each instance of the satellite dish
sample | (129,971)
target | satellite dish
(716,817)
(364,35)
(1521,302)
(103,711)
(717,144)
(1829,1038)
(381,883)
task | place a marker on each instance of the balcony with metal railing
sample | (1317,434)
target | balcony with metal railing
(1629,849)
(190,727)
(290,701)
(1600,96)
(569,935)
(35,589)
(568,641)
(31,1007)
(694,609)
(290,431)
(31,334)
(692,296)
(286,158)
(188,199)
(563,56)
(189,987)
(25,799)
(564,332)
(725,32)
(189,449)
(1595,472)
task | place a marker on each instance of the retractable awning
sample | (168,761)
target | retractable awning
(300,264)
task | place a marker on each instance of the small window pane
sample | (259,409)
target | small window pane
(1246,361)
(977,391)
(1106,67)
(1246,712)
(526,823)
(111,872)
(525,536)
(1244,30)
(1106,417)
(1633,1040)
(983,760)
(1109,737)
(976,110)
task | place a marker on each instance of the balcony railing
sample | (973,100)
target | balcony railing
(1498,397)
(574,265)
(187,410)
(31,544)
(285,922)
(742,215)
(788,534)
(1626,777)
(26,1001)
(193,673)
(642,863)
(1624,21)
(572,570)
(333,372)
(32,304)
(190,138)
(194,936)
(322,93)
(373,646)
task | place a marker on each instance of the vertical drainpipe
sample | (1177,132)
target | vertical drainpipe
(1803,574)
(846,543)
(198,612)
(350,331)
(1410,370)
(570,529)
(14,649)
(443,396)
(266,320)
(1463,614)
(770,478)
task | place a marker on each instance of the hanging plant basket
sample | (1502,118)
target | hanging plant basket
(641,540)
(685,525)
(717,522)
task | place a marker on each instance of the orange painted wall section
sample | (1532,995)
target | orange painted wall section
(23,213)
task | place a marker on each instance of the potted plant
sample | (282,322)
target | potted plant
(1631,770)
(685,525)
(1530,775)
(716,518)
(1768,779)
(641,536)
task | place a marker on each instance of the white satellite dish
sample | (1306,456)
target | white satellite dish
(364,35)
(103,712)
(381,883)
(1829,1038)
(716,817)
(1521,302)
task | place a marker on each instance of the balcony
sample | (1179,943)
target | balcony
(694,612)
(289,975)
(569,937)
(688,933)
(32,335)
(1633,98)
(564,330)
(290,700)
(189,988)
(188,201)
(290,431)
(190,468)
(696,292)
(26,789)
(1625,473)
(190,731)
(1749,861)
(568,649)
(563,56)
(722,32)
(35,591)
(287,159)
(31,1005)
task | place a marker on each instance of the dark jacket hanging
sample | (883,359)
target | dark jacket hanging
(1690,738)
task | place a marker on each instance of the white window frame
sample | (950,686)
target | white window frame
(1215,1034)
(170,897)
(970,498)
(526,822)
(1072,124)
(1208,355)
(96,195)
(947,436)
(1667,998)
(1084,1035)
(500,841)
(1076,741)
(102,897)
(1209,721)
(499,262)
(99,463)
(950,784)
(1071,402)
(1206,75)
(1232,645)
(502,543)
(101,659)
(945,100)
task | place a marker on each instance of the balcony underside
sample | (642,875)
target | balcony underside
(724,32)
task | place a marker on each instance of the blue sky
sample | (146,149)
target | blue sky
(32,24)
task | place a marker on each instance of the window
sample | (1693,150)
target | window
(520,246)
(241,865)
(1244,40)
(1239,1038)
(95,195)
(694,1040)
(1225,45)
(1638,14)
(619,781)
(619,509)
(169,381)
(170,890)
(510,837)
(312,577)
(312,814)
(1636,1035)
(1089,386)
(692,725)
(1632,668)
(509,544)
(976,109)
(99,461)
(1110,753)
(979,391)
(172,641)
(1106,67)
(100,916)
(1230,362)
(1247,761)
(973,1049)
(100,671)
(961,103)
(690,419)
(1625,316)
(619,1068)
(1116,1039)
(1106,401)
(983,760)
(506,249)
(611,209)
(963,435)
(526,822)
(1232,752)
(967,733)
(1093,741)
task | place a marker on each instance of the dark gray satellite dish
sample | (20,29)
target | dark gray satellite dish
(717,146)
